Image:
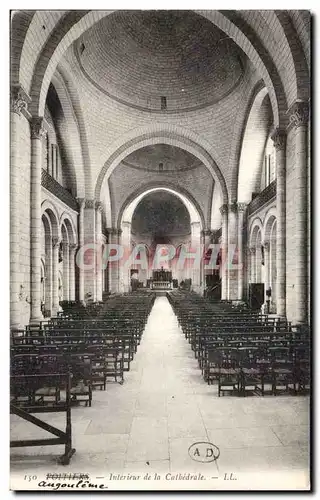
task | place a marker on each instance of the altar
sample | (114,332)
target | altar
(161,280)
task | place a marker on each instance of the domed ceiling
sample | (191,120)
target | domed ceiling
(161,61)
(162,158)
(161,214)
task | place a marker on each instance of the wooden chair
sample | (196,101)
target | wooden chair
(252,372)
(283,371)
(229,376)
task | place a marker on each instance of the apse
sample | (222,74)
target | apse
(160,218)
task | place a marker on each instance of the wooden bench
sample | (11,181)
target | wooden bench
(26,399)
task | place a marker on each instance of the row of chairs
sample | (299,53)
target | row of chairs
(59,363)
(244,350)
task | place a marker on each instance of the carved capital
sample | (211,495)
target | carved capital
(56,242)
(279,138)
(19,99)
(233,207)
(266,245)
(126,224)
(81,202)
(206,232)
(89,204)
(298,114)
(114,231)
(99,206)
(37,130)
(252,250)
(73,247)
(224,209)
(241,206)
(216,234)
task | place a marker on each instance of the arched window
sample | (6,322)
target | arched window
(269,165)
(54,161)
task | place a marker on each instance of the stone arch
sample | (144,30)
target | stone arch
(71,137)
(255,226)
(70,227)
(42,280)
(42,24)
(271,238)
(125,219)
(64,233)
(47,261)
(242,127)
(216,202)
(48,208)
(301,88)
(150,187)
(66,78)
(20,24)
(46,220)
(301,21)
(258,239)
(242,34)
(68,29)
(269,219)
(161,134)
(255,136)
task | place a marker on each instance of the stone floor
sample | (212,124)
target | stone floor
(147,426)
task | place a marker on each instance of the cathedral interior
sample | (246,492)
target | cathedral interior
(141,139)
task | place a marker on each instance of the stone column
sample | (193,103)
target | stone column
(72,281)
(81,202)
(106,267)
(266,251)
(241,263)
(196,282)
(114,237)
(37,132)
(267,277)
(232,251)
(19,103)
(206,238)
(55,274)
(48,297)
(298,117)
(279,138)
(90,242)
(99,263)
(124,267)
(65,267)
(252,251)
(224,252)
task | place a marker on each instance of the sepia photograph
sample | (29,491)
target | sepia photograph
(160,250)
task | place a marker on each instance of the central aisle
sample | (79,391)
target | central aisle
(164,406)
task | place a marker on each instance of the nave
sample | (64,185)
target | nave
(164,406)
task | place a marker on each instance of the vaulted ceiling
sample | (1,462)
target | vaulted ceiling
(155,60)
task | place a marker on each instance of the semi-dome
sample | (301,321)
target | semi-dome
(162,158)
(161,213)
(162,61)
